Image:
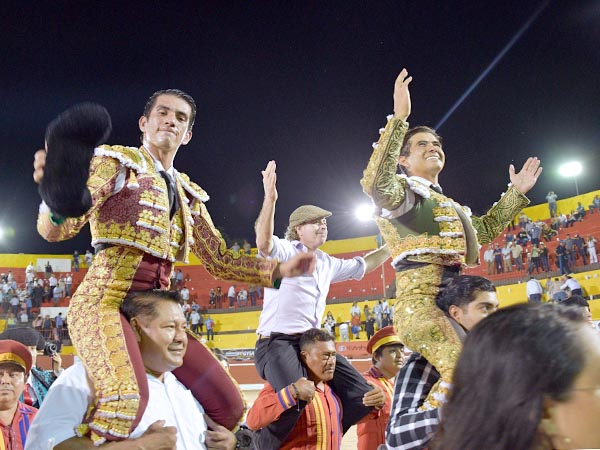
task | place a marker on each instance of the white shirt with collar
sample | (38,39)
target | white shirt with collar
(299,303)
(67,401)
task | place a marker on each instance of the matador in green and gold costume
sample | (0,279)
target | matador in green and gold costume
(430,236)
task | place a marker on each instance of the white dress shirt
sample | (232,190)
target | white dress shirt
(299,303)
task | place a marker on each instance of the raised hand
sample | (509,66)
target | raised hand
(270,181)
(527,177)
(39,162)
(402,96)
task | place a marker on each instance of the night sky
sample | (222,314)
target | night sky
(307,83)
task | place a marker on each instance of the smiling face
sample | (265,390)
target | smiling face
(161,337)
(313,234)
(319,358)
(166,127)
(425,158)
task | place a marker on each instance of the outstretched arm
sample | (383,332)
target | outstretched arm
(265,223)
(376,258)
(380,181)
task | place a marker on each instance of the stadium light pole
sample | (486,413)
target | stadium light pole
(571,169)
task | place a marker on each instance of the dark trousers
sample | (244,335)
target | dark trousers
(277,360)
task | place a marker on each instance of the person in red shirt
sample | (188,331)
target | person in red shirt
(15,417)
(388,358)
(320,426)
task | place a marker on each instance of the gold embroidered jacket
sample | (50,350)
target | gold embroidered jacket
(131,208)
(437,230)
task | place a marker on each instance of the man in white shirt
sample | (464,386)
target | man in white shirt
(173,419)
(572,285)
(534,290)
(299,305)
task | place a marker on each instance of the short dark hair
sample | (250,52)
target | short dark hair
(314,335)
(405,148)
(461,291)
(176,93)
(576,300)
(511,362)
(143,303)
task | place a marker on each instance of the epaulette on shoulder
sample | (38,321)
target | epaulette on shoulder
(130,157)
(192,188)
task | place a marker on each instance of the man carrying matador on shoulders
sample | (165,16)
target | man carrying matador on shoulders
(144,215)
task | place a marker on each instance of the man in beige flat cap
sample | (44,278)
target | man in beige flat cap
(298,305)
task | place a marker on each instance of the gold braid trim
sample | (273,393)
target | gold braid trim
(380,181)
(95,328)
(423,327)
(500,215)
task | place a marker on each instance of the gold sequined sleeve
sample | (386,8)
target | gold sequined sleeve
(210,247)
(499,216)
(380,181)
(101,183)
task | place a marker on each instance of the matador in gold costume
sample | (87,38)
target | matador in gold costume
(430,236)
(144,216)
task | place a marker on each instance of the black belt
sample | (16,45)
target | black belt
(449,271)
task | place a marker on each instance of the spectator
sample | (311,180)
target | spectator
(344,336)
(179,278)
(210,325)
(23,318)
(591,248)
(544,257)
(76,261)
(367,312)
(572,285)
(488,257)
(235,248)
(243,297)
(39,381)
(378,313)
(52,283)
(16,417)
(37,323)
(330,321)
(595,204)
(219,297)
(551,198)
(185,294)
(517,255)
(386,320)
(253,295)
(580,247)
(510,360)
(562,257)
(89,258)
(506,257)
(231,295)
(47,327)
(554,292)
(212,298)
(534,290)
(355,322)
(57,295)
(370,327)
(247,247)
(355,309)
(498,258)
(579,213)
(195,320)
(68,285)
(48,270)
